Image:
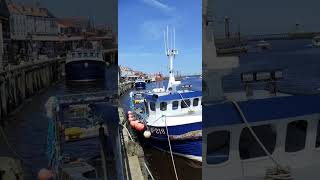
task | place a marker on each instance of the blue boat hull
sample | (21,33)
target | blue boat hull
(85,70)
(189,147)
(140,85)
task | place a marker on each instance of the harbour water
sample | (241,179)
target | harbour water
(27,129)
(298,59)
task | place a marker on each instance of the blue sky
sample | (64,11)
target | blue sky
(141,25)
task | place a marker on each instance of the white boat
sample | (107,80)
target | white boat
(316,41)
(153,79)
(253,135)
(172,116)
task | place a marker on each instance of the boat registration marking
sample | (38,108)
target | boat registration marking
(157,130)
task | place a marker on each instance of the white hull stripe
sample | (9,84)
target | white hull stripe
(192,157)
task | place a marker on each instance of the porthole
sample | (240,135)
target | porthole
(296,136)
(249,146)
(218,147)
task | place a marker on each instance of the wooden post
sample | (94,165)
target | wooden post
(1,45)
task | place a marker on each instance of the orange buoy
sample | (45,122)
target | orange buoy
(133,123)
(129,112)
(139,126)
(45,174)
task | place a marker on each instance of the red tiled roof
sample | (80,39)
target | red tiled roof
(72,22)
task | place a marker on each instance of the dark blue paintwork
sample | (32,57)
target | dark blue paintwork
(174,96)
(85,70)
(222,114)
(140,85)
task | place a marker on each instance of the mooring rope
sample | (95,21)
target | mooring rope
(173,163)
(130,137)
(185,102)
(157,120)
(278,165)
(148,170)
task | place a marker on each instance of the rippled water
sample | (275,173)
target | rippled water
(300,61)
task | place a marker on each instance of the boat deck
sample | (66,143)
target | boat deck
(101,152)
(309,172)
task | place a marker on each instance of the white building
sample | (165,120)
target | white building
(73,26)
(27,21)
(126,71)
(4,33)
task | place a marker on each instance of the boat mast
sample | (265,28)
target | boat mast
(214,67)
(171,52)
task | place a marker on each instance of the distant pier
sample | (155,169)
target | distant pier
(282,36)
(125,86)
(233,41)
(20,82)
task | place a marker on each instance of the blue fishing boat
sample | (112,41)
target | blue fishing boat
(85,65)
(83,140)
(255,134)
(170,118)
(140,84)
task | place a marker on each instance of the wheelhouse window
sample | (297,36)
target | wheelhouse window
(249,146)
(185,103)
(175,105)
(218,147)
(152,106)
(85,54)
(79,55)
(318,135)
(73,55)
(296,136)
(163,106)
(195,102)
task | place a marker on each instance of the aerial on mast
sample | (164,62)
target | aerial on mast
(171,52)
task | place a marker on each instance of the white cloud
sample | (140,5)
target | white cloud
(137,54)
(158,4)
(153,30)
